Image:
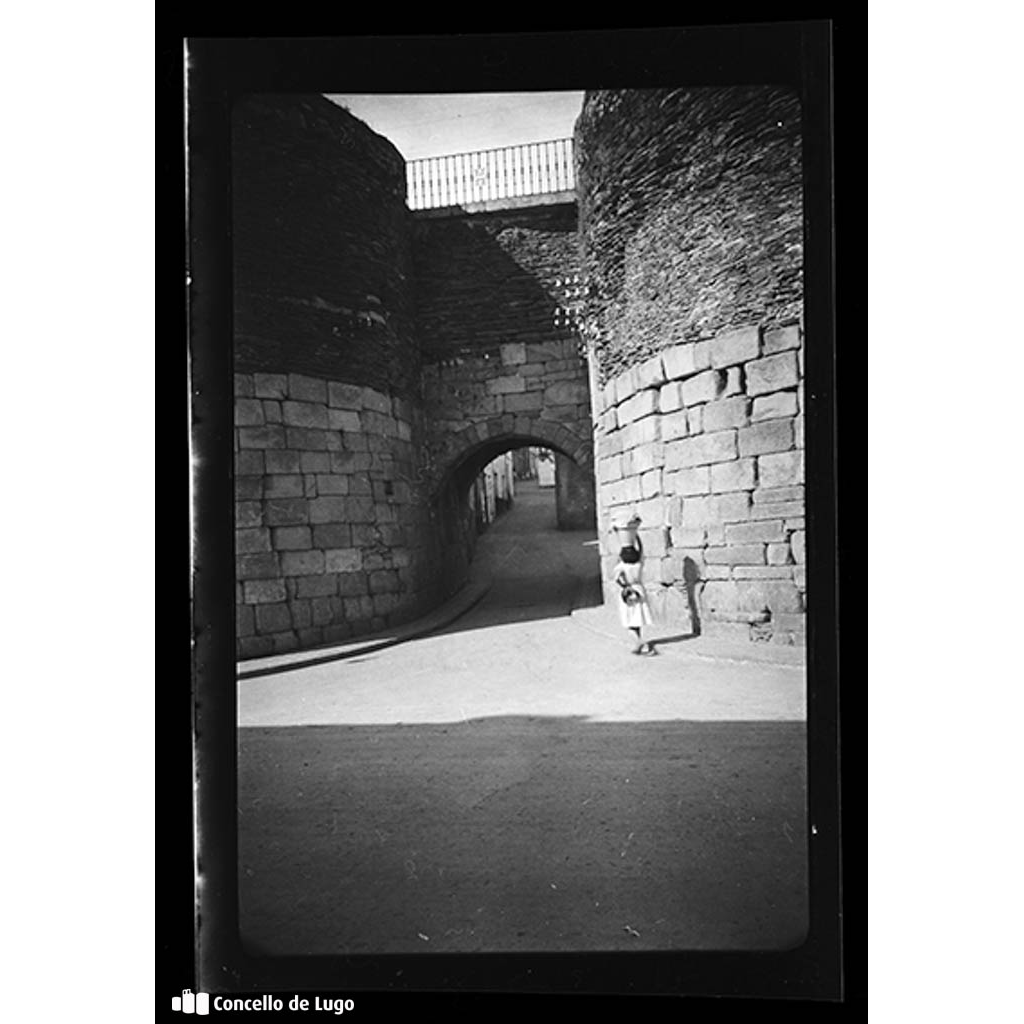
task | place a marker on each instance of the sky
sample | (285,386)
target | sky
(423,125)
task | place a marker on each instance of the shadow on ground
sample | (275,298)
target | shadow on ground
(520,834)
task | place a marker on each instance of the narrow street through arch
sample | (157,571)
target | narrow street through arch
(519,782)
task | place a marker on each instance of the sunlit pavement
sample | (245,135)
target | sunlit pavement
(521,781)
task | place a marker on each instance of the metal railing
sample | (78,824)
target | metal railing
(533,169)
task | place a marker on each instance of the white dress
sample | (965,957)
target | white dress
(632,615)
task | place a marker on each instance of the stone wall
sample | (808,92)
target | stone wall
(333,537)
(705,442)
(322,246)
(691,228)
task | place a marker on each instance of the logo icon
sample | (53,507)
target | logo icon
(188,1002)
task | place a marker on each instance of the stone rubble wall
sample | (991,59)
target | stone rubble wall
(705,441)
(333,536)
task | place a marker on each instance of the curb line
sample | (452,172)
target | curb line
(370,646)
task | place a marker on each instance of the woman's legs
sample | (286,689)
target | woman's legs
(638,646)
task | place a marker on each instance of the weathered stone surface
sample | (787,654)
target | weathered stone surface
(800,576)
(270,385)
(733,381)
(679,361)
(701,450)
(625,386)
(695,419)
(384,581)
(776,511)
(316,586)
(650,373)
(762,572)
(778,554)
(352,584)
(343,560)
(778,405)
(304,414)
(690,538)
(719,597)
(249,412)
(248,488)
(760,530)
(780,470)
(345,396)
(250,540)
(780,339)
(689,481)
(271,410)
(249,462)
(724,413)
(263,591)
(777,495)
(332,535)
(286,511)
(283,486)
(670,397)
(737,475)
(772,373)
(762,438)
(643,403)
(735,347)
(705,387)
(645,431)
(332,484)
(259,566)
(329,510)
(283,462)
(530,401)
(736,554)
(341,419)
(730,508)
(302,563)
(779,597)
(312,439)
(244,385)
(674,425)
(506,385)
(307,389)
(248,513)
(291,538)
(261,437)
(347,462)
(271,618)
(650,483)
(797,540)
(513,354)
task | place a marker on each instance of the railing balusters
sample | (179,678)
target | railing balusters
(535,168)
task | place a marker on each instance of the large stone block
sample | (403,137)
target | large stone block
(345,396)
(261,437)
(736,347)
(283,486)
(248,488)
(250,540)
(695,419)
(304,414)
(689,481)
(797,540)
(506,385)
(332,535)
(650,373)
(759,530)
(730,508)
(696,512)
(248,513)
(245,620)
(705,387)
(270,385)
(772,373)
(670,397)
(350,462)
(778,495)
(316,586)
(249,462)
(332,483)
(342,419)
(650,483)
(719,597)
(249,412)
(725,413)
(312,439)
(781,339)
(376,401)
(701,451)
(329,510)
(244,386)
(343,560)
(763,438)
(286,511)
(782,510)
(530,401)
(306,389)
(302,563)
(645,431)
(800,577)
(778,405)
(674,425)
(261,566)
(283,462)
(384,581)
(625,386)
(513,353)
(778,554)
(272,618)
(292,538)
(737,475)
(567,392)
(735,554)
(690,538)
(643,403)
(271,410)
(776,596)
(762,572)
(783,469)
(679,362)
(352,584)
(263,591)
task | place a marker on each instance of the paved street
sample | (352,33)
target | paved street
(520,781)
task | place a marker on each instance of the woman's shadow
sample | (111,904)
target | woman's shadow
(691,577)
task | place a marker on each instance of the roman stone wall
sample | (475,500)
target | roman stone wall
(691,227)
(322,246)
(333,535)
